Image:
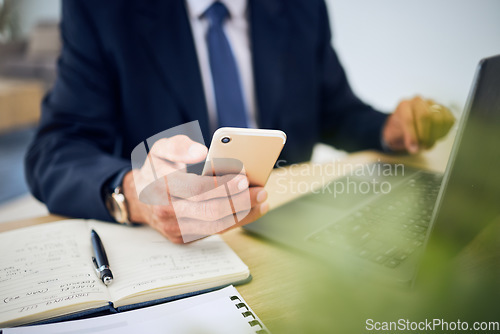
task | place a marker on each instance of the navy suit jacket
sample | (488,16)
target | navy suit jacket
(128,69)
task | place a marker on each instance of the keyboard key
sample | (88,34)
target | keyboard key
(364,253)
(366,236)
(380,259)
(417,243)
(400,256)
(355,228)
(392,263)
(391,251)
(409,250)
(419,229)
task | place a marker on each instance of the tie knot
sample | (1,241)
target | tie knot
(216,13)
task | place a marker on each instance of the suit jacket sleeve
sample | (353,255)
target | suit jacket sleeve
(347,122)
(72,157)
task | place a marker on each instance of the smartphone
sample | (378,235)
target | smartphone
(253,151)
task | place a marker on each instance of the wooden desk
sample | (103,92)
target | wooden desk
(19,103)
(274,292)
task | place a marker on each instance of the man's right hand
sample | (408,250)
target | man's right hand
(192,200)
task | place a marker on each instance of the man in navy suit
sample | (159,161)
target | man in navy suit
(131,69)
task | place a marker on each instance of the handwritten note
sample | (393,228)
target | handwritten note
(42,268)
(214,312)
(47,271)
(142,260)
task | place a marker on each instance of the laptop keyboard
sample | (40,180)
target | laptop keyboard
(390,228)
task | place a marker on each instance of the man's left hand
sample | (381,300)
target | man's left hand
(416,124)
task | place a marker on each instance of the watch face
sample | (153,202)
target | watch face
(117,207)
(111,205)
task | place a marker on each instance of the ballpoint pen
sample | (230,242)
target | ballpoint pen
(100,259)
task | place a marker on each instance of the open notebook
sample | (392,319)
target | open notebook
(222,311)
(46,271)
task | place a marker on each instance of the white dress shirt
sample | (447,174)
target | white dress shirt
(237,31)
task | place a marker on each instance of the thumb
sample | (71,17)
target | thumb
(179,149)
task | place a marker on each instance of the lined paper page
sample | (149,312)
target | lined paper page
(141,260)
(46,267)
(209,313)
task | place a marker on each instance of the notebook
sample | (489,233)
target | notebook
(381,223)
(221,311)
(46,271)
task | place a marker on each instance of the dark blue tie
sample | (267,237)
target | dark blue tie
(229,101)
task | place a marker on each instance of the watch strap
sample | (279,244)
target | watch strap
(116,180)
(113,190)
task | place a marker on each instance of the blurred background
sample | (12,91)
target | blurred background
(391,49)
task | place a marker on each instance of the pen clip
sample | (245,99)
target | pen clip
(98,273)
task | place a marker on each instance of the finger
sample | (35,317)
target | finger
(201,188)
(218,208)
(393,135)
(193,229)
(179,148)
(423,121)
(255,213)
(163,220)
(170,155)
(181,230)
(408,122)
(158,167)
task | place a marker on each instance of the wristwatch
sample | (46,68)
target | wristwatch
(116,202)
(117,206)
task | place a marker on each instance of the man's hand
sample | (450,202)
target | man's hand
(170,196)
(416,124)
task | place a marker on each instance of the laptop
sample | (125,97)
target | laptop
(385,228)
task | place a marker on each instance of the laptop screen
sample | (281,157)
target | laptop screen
(470,197)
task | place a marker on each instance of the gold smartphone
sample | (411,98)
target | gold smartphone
(253,151)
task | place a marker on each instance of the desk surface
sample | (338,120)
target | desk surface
(273,292)
(19,103)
